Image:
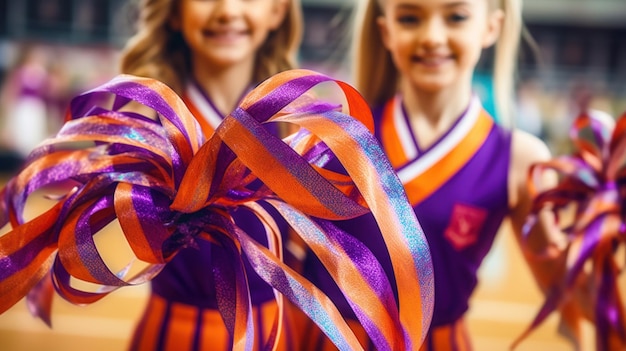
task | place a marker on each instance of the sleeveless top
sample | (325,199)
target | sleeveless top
(188,278)
(458,188)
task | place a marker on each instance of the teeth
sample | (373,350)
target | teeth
(224,34)
(432,60)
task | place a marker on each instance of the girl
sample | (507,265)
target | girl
(26,94)
(211,53)
(463,173)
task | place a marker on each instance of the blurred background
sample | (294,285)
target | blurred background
(51,50)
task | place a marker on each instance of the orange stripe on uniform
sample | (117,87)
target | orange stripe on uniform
(267,316)
(312,338)
(428,182)
(180,332)
(213,335)
(450,337)
(389,136)
(149,336)
(461,336)
(442,338)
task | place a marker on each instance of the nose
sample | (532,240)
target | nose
(226,10)
(432,33)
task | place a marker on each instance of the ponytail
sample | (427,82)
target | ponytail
(505,63)
(376,76)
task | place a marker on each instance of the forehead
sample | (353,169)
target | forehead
(427,4)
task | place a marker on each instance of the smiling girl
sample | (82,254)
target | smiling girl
(211,53)
(463,173)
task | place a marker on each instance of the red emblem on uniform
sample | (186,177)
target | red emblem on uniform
(465,225)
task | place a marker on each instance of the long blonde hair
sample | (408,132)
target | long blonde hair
(505,64)
(157,51)
(376,76)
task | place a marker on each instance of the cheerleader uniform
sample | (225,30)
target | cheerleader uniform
(182,312)
(458,188)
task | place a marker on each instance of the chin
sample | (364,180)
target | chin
(430,83)
(226,60)
(430,87)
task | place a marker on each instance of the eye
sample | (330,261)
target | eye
(457,17)
(407,19)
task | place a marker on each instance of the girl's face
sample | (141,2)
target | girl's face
(222,33)
(436,44)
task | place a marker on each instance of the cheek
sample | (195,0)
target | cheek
(401,44)
(260,23)
(402,55)
(470,46)
(260,15)
(191,34)
(190,22)
(474,51)
(190,12)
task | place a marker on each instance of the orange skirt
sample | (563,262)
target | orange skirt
(173,326)
(451,337)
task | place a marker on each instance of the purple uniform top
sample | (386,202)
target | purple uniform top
(459,190)
(188,278)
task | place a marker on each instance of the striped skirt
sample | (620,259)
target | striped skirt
(173,326)
(451,337)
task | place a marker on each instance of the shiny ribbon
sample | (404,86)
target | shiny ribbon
(592,181)
(168,187)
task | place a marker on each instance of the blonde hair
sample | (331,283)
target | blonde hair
(505,63)
(157,51)
(376,76)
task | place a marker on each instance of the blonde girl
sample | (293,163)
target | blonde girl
(463,173)
(211,53)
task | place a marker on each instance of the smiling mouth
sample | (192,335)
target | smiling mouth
(225,35)
(432,61)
